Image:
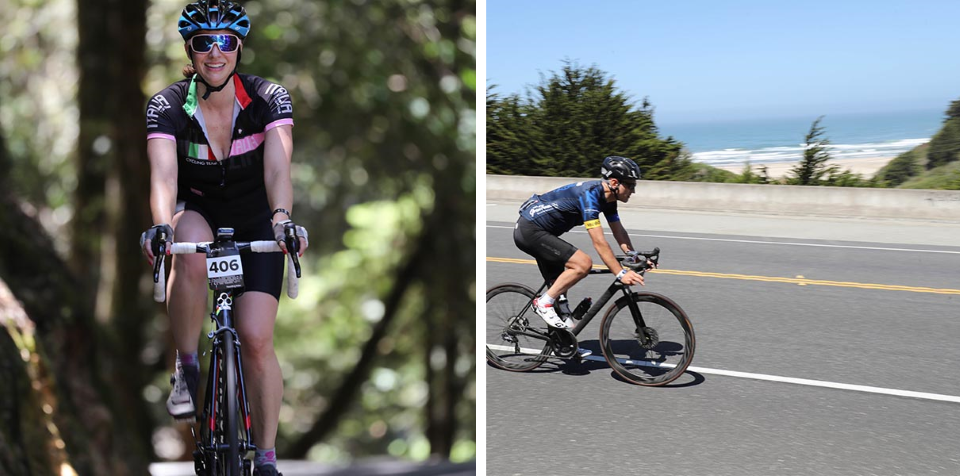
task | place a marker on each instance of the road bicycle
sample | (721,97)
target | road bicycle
(224,421)
(645,337)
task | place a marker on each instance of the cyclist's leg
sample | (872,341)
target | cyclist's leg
(187,288)
(256,316)
(560,263)
(575,269)
(186,302)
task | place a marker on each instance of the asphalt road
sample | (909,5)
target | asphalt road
(373,467)
(815,355)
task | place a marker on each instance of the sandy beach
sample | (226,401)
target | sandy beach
(866,166)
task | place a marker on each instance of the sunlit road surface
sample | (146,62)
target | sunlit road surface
(368,468)
(815,355)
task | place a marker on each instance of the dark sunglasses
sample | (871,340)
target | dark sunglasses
(204,43)
(631,186)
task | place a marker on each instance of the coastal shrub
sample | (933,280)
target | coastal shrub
(749,176)
(700,172)
(900,169)
(847,178)
(945,144)
(945,177)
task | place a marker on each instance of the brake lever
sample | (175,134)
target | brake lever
(158,263)
(655,257)
(293,245)
(159,254)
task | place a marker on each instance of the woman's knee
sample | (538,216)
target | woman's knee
(191,269)
(257,345)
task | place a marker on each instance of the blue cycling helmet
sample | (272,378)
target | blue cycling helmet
(213,15)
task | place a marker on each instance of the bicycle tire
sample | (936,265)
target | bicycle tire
(666,356)
(505,349)
(233,464)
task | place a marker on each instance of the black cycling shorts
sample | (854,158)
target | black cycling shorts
(551,252)
(261,271)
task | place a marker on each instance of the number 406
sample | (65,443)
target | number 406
(223,266)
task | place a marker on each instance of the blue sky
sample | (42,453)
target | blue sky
(700,60)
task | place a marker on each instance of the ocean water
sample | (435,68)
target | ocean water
(770,140)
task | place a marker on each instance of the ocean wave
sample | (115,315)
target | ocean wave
(795,153)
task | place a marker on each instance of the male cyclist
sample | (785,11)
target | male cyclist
(543,218)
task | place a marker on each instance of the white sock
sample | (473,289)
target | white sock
(546,300)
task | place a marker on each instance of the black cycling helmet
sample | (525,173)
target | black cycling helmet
(619,168)
(213,15)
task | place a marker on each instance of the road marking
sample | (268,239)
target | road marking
(773,378)
(770,279)
(786,243)
(825,384)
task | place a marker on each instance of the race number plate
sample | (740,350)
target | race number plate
(225,272)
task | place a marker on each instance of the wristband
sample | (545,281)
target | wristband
(622,272)
(281,210)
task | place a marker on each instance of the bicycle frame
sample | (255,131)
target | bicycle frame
(596,307)
(226,393)
(222,316)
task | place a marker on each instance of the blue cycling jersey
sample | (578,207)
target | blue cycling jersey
(559,210)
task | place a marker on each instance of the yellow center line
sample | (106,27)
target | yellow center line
(770,279)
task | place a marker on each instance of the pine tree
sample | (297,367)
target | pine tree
(570,122)
(813,167)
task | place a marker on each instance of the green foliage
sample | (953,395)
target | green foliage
(813,168)
(37,113)
(748,175)
(699,172)
(384,97)
(945,177)
(570,122)
(945,144)
(846,178)
(954,110)
(900,169)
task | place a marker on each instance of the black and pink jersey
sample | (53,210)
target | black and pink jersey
(229,192)
(175,114)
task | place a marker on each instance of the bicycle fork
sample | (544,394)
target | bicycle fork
(645,335)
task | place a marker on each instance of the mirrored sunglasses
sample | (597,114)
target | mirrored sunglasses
(631,186)
(204,43)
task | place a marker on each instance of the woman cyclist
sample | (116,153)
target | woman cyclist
(219,144)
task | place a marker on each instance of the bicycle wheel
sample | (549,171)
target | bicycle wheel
(511,325)
(230,408)
(657,356)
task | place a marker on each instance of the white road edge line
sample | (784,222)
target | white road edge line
(825,384)
(818,245)
(775,378)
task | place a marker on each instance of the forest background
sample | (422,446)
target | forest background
(378,350)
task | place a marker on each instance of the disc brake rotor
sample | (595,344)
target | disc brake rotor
(649,339)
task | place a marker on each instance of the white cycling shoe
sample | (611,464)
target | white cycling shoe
(180,402)
(549,315)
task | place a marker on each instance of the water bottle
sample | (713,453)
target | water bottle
(582,308)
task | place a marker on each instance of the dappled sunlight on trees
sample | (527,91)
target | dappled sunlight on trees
(378,350)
